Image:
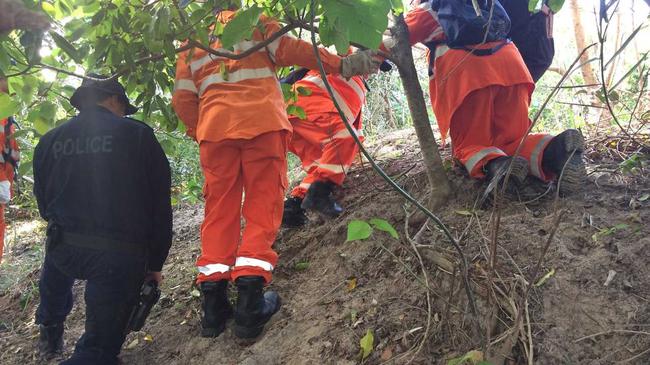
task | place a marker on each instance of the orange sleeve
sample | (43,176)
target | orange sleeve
(288,51)
(185,99)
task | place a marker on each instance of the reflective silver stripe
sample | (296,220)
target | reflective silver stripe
(249,261)
(338,169)
(304,186)
(471,163)
(344,133)
(434,34)
(339,100)
(273,46)
(15,155)
(195,65)
(358,89)
(2,158)
(238,48)
(536,156)
(185,84)
(440,50)
(236,76)
(213,269)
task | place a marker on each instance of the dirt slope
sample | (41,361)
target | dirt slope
(340,290)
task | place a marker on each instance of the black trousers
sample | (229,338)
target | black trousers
(112,288)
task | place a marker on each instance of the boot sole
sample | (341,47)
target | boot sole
(574,176)
(575,173)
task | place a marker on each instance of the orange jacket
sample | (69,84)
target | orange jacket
(456,73)
(7,169)
(349,94)
(218,98)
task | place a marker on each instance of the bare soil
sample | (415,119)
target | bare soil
(335,291)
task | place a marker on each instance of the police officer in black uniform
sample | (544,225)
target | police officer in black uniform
(102,183)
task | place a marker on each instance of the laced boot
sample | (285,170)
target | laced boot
(319,198)
(216,308)
(254,308)
(293,216)
(50,341)
(564,152)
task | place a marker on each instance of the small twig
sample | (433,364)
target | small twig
(626,361)
(609,332)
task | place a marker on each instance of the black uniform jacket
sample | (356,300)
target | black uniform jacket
(105,176)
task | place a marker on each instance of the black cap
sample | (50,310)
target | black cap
(111,87)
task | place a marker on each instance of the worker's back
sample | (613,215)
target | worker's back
(95,175)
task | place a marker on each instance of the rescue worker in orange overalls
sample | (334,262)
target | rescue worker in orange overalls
(8,160)
(480,95)
(236,112)
(322,142)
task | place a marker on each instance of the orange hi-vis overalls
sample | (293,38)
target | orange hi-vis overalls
(9,148)
(236,111)
(321,141)
(481,100)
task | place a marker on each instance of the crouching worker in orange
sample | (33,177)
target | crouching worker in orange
(8,163)
(236,112)
(322,142)
(481,92)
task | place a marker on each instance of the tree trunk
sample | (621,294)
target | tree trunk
(587,71)
(440,186)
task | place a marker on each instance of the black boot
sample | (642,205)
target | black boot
(293,216)
(319,198)
(497,169)
(50,341)
(216,308)
(565,152)
(254,308)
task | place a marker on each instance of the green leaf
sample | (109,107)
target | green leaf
(644,197)
(555,5)
(361,21)
(49,8)
(366,343)
(296,111)
(548,275)
(24,168)
(534,6)
(241,26)
(358,230)
(303,91)
(8,106)
(301,266)
(66,46)
(383,225)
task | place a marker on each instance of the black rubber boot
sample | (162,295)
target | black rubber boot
(319,198)
(50,341)
(216,308)
(496,171)
(293,216)
(254,307)
(559,154)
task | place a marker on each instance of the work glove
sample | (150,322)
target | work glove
(360,63)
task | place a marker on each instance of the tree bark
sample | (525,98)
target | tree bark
(587,71)
(403,57)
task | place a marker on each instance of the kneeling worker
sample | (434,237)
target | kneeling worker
(102,183)
(322,142)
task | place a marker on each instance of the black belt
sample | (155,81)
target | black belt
(101,243)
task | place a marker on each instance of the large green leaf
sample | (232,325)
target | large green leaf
(8,106)
(364,20)
(241,26)
(66,46)
(358,230)
(555,5)
(383,225)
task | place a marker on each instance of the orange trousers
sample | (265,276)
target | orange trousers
(3,227)
(325,148)
(491,122)
(255,169)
